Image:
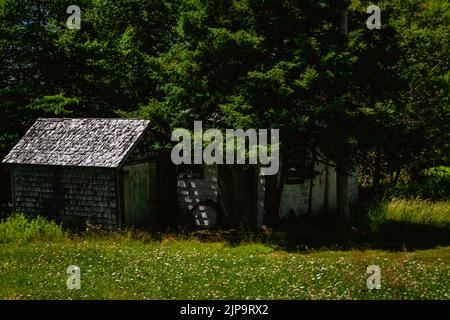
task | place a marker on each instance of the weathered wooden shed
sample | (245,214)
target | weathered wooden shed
(100,171)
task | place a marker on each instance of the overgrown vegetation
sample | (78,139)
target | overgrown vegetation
(430,184)
(19,227)
(415,212)
(34,255)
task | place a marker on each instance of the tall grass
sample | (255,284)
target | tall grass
(19,227)
(414,212)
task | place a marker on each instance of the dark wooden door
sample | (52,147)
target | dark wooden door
(238,195)
(137,193)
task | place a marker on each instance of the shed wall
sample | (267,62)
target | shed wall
(295,197)
(66,194)
(191,191)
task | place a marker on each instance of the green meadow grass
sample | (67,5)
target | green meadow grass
(422,212)
(117,269)
(127,266)
(415,212)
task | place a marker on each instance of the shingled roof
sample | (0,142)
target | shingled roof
(78,142)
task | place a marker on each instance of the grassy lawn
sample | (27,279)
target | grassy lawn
(408,240)
(120,268)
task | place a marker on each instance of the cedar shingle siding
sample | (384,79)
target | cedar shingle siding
(70,194)
(70,170)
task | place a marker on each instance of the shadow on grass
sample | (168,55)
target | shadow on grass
(320,232)
(389,239)
(316,232)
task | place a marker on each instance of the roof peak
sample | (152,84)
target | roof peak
(84,142)
(63,119)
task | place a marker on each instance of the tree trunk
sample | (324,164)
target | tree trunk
(311,186)
(342,202)
(343,21)
(397,176)
(273,189)
(377,169)
(326,186)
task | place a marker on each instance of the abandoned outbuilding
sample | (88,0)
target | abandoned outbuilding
(90,170)
(104,171)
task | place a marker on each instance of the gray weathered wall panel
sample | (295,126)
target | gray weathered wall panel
(67,194)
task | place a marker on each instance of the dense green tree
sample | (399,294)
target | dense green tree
(260,64)
(48,70)
(380,95)
(400,85)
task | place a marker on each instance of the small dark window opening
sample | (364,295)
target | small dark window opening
(295,173)
(192,171)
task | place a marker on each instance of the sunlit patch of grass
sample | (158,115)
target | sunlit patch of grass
(420,212)
(184,269)
(139,265)
(416,212)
